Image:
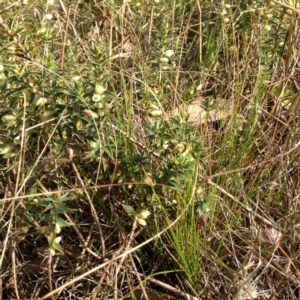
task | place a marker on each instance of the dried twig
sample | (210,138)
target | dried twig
(128,251)
(167,286)
(93,210)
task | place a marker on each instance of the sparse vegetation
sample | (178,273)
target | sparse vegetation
(149,148)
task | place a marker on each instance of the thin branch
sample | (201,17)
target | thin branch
(93,210)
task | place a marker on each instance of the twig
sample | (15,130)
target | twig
(124,249)
(98,286)
(167,287)
(14,273)
(287,6)
(93,210)
(5,199)
(138,275)
(50,273)
(65,38)
(82,240)
(129,251)
(245,207)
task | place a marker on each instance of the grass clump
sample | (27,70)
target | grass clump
(149,148)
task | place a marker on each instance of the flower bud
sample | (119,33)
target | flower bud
(142,222)
(144,214)
(169,53)
(99,89)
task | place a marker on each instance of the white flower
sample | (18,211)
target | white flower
(1,68)
(50,2)
(164,60)
(165,145)
(154,111)
(99,89)
(92,145)
(42,101)
(48,17)
(76,78)
(71,154)
(199,87)
(42,30)
(142,222)
(144,214)
(169,53)
(58,239)
(97,98)
(246,292)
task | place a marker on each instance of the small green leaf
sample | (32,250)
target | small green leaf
(57,228)
(7,149)
(56,245)
(129,209)
(63,223)
(50,239)
(48,207)
(64,198)
(9,119)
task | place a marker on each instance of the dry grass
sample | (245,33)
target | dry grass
(223,193)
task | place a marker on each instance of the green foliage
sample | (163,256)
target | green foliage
(91,151)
